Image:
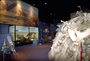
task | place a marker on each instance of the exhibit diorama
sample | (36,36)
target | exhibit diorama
(72,39)
(21,20)
(18,25)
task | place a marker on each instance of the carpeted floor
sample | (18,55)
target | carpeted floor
(31,53)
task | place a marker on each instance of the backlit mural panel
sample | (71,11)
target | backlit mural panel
(17,12)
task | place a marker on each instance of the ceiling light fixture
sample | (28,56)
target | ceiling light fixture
(45,3)
(50,13)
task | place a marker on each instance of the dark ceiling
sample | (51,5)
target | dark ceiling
(52,11)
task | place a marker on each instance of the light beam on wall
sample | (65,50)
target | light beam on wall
(31,12)
(18,7)
(4,1)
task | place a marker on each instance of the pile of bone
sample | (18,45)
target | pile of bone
(67,42)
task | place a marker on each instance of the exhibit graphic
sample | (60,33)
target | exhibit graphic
(24,34)
(17,12)
(72,40)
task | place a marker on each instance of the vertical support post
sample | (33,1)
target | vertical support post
(81,51)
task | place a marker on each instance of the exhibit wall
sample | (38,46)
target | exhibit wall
(53,30)
(3,32)
(4,29)
(17,12)
(22,35)
(44,30)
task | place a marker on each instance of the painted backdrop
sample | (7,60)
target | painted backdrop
(17,12)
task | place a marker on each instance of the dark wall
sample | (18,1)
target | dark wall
(43,26)
(4,28)
(3,31)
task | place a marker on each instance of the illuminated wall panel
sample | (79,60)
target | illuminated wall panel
(21,33)
(17,12)
(12,32)
(34,33)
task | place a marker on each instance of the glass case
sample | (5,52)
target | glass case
(22,35)
(34,33)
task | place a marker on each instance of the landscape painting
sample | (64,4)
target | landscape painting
(17,12)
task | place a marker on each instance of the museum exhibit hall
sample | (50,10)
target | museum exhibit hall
(44,30)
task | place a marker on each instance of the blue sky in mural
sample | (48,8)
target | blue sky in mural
(33,29)
(11,29)
(22,28)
